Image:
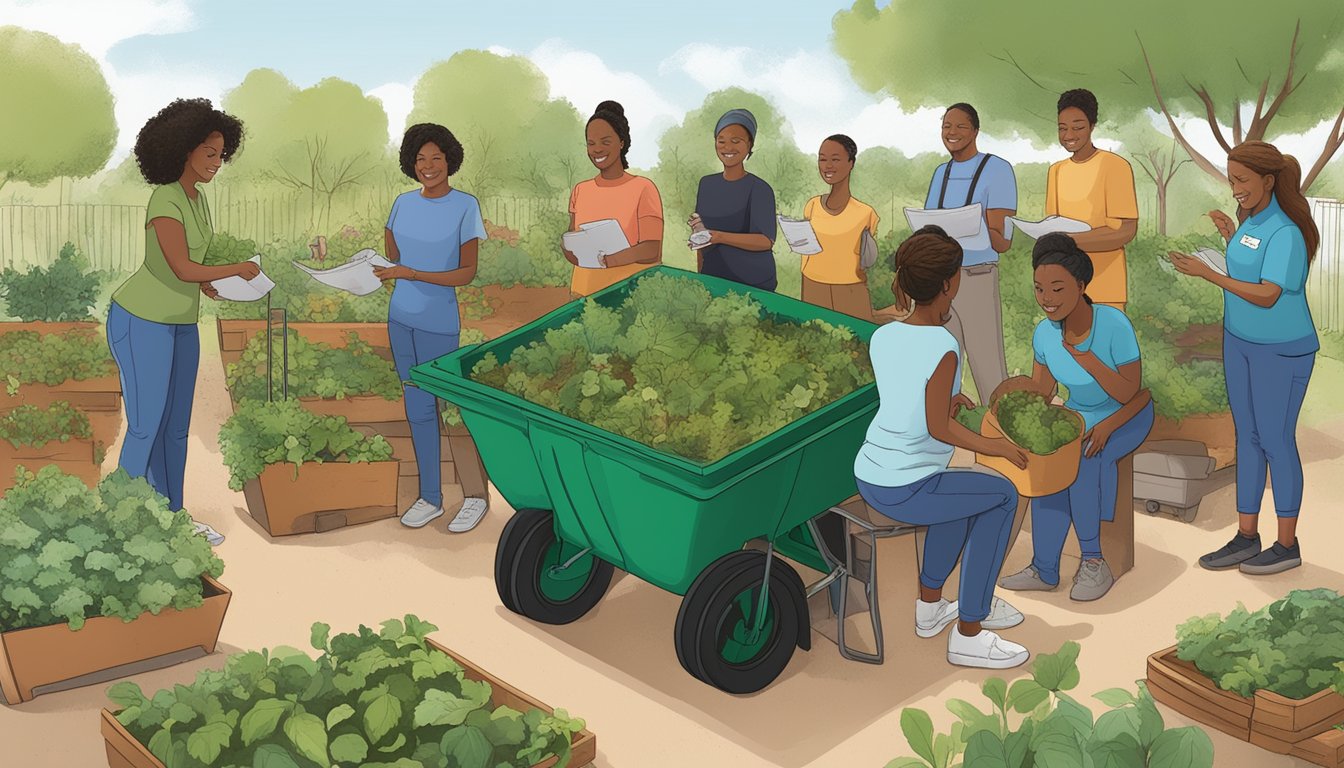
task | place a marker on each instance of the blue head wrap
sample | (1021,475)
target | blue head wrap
(737,117)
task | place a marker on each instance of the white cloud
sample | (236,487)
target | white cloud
(398,99)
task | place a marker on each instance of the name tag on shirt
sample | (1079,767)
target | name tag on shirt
(1250,242)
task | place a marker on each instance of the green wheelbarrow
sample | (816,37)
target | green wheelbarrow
(589,501)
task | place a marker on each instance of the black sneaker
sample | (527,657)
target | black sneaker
(1234,553)
(1276,559)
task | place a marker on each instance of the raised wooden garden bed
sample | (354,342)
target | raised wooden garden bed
(234,335)
(75,457)
(1302,728)
(323,497)
(123,751)
(33,659)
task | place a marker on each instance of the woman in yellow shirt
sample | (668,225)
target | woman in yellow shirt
(835,278)
(1096,187)
(632,201)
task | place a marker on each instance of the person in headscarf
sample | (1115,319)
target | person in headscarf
(737,209)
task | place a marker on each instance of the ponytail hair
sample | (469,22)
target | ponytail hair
(1059,248)
(924,263)
(1265,159)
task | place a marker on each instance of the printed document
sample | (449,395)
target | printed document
(800,236)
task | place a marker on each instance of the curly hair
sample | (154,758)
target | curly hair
(419,135)
(165,141)
(613,114)
(1082,99)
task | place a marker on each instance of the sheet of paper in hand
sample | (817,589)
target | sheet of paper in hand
(236,288)
(800,236)
(355,276)
(1038,229)
(595,240)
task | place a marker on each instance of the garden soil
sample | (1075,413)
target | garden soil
(616,668)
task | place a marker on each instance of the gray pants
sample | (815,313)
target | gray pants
(977,323)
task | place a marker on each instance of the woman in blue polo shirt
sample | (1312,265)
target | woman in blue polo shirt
(1269,345)
(1093,351)
(433,233)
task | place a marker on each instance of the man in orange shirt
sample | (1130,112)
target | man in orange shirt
(1096,187)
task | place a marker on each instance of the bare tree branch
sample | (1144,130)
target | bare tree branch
(1201,161)
(1008,58)
(1236,121)
(1332,145)
(1261,122)
(1211,115)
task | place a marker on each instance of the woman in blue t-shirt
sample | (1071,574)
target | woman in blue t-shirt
(737,209)
(1093,352)
(1269,345)
(433,233)
(902,468)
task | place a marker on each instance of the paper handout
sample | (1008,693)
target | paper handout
(1038,229)
(1216,261)
(236,288)
(800,236)
(966,224)
(355,276)
(595,240)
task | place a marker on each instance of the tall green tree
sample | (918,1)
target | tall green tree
(56,114)
(1257,69)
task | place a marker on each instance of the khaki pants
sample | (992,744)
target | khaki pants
(853,299)
(977,324)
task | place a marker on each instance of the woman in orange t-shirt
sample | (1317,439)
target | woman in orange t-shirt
(632,201)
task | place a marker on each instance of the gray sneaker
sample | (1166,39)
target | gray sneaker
(1026,580)
(420,514)
(1094,580)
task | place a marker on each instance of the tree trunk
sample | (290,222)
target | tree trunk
(1162,207)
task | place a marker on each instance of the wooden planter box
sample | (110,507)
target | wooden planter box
(41,656)
(1299,727)
(123,751)
(234,335)
(74,457)
(323,497)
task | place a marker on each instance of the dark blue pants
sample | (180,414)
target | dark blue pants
(1265,389)
(411,347)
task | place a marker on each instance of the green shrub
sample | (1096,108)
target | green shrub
(63,291)
(1030,421)
(30,425)
(69,553)
(1293,646)
(28,357)
(1053,729)
(262,433)
(541,243)
(315,370)
(370,699)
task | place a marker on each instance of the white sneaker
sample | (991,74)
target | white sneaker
(986,651)
(933,618)
(469,516)
(211,535)
(420,514)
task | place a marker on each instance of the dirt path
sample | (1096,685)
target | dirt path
(617,667)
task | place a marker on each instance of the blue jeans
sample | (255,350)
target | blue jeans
(1265,389)
(411,347)
(157,365)
(1087,502)
(964,510)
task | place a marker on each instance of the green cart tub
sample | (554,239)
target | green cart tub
(588,499)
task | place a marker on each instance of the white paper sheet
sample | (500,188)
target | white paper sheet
(960,223)
(1213,258)
(1038,229)
(236,288)
(800,236)
(594,240)
(355,276)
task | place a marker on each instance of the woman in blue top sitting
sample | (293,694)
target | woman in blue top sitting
(902,468)
(1093,351)
(433,234)
(1269,344)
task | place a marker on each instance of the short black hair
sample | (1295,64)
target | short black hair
(851,148)
(969,110)
(1081,98)
(165,141)
(1059,248)
(419,135)
(613,114)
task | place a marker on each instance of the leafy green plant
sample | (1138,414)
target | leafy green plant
(1052,728)
(1292,646)
(474,304)
(682,371)
(261,433)
(69,553)
(32,358)
(972,418)
(63,291)
(315,370)
(541,243)
(1029,420)
(385,699)
(30,425)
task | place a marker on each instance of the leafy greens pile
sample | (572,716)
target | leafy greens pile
(680,370)
(384,699)
(261,433)
(63,291)
(1034,424)
(30,425)
(29,357)
(69,553)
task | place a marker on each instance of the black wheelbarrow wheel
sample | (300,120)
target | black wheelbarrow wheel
(722,637)
(544,577)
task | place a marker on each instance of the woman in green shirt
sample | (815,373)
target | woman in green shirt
(151,324)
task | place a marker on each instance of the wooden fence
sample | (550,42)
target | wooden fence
(1325,283)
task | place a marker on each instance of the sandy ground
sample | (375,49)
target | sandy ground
(617,669)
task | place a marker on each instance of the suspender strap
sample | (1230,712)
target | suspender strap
(970,193)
